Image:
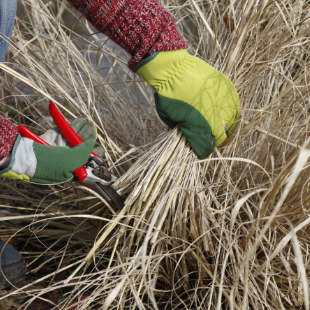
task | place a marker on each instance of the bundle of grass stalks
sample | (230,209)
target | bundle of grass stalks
(228,232)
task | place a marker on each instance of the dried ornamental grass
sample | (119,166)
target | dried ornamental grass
(228,232)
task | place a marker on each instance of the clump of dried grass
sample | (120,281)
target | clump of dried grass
(228,232)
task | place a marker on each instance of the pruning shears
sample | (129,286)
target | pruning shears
(94,173)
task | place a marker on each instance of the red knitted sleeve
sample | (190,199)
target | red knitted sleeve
(8,135)
(141,27)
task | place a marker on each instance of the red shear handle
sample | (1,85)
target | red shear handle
(67,131)
(25,132)
(80,173)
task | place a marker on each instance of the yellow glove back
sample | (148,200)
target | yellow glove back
(194,96)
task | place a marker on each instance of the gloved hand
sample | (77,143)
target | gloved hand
(194,96)
(36,163)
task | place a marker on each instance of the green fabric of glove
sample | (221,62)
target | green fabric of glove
(52,164)
(194,96)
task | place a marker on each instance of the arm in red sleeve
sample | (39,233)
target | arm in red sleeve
(8,135)
(141,27)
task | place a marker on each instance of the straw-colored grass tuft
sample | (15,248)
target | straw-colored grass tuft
(228,232)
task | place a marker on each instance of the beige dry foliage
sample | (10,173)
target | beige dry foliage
(228,232)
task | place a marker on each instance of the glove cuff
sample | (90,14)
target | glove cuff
(164,66)
(15,170)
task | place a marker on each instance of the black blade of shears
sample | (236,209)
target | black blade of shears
(109,194)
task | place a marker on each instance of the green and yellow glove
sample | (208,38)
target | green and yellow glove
(54,164)
(194,96)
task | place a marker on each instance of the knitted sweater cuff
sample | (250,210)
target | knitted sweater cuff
(141,27)
(8,135)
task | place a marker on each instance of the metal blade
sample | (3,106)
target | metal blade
(110,195)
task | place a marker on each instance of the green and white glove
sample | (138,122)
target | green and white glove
(194,96)
(54,164)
